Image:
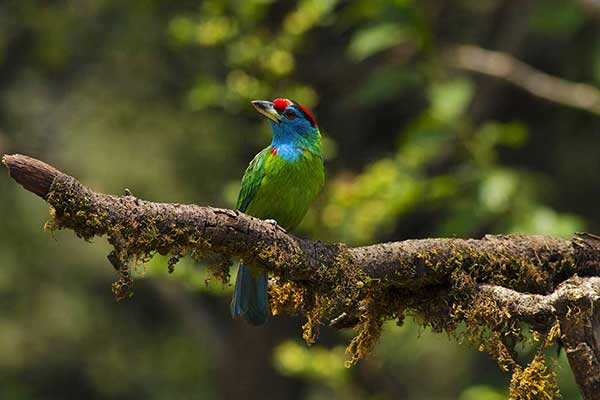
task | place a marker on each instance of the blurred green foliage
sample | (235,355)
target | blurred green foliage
(153,95)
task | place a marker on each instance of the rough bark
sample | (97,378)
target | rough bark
(534,279)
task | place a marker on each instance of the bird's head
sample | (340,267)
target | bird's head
(292,123)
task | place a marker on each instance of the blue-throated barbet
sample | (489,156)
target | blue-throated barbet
(280,184)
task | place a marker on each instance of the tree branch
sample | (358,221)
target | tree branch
(538,83)
(414,263)
(575,304)
(443,281)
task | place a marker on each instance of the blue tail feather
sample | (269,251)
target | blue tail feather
(250,297)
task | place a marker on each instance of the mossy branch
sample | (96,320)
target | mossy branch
(571,312)
(491,285)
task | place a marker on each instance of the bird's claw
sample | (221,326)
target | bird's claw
(275,224)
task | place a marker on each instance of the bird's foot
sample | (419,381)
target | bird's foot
(275,224)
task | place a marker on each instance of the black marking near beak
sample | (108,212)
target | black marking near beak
(267,109)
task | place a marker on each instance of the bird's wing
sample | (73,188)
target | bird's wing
(252,178)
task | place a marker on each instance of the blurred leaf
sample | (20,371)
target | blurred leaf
(308,14)
(214,30)
(557,17)
(449,99)
(369,41)
(384,84)
(512,134)
(317,362)
(482,393)
(497,190)
(548,221)
(182,29)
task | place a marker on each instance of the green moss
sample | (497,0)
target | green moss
(134,240)
(286,297)
(451,303)
(535,382)
(456,307)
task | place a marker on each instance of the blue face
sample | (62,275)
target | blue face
(294,128)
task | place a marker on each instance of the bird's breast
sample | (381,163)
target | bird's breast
(288,188)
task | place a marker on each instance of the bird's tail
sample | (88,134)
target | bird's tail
(250,297)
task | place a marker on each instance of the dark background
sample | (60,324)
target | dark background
(153,95)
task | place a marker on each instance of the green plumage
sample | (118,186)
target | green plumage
(275,188)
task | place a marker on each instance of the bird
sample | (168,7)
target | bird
(279,185)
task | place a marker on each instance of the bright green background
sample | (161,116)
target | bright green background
(153,95)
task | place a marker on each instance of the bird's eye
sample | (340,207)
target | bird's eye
(290,114)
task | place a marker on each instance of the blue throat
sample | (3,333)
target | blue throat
(290,145)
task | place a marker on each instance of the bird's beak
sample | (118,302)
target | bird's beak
(267,109)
